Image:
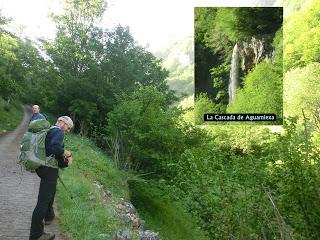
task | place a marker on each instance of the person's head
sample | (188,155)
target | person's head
(35,109)
(65,123)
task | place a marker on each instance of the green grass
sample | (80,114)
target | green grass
(88,217)
(85,217)
(95,165)
(92,216)
(10,115)
(163,215)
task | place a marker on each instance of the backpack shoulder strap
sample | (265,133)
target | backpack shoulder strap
(52,127)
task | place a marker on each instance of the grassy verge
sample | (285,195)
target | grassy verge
(10,116)
(162,214)
(89,216)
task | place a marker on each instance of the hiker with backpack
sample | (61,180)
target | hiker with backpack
(54,147)
(36,114)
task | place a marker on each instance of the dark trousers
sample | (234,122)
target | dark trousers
(44,209)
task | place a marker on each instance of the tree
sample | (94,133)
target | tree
(262,91)
(129,66)
(76,53)
(8,86)
(299,86)
(99,64)
(241,23)
(302,42)
(143,132)
(220,28)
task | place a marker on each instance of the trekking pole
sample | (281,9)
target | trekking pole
(69,193)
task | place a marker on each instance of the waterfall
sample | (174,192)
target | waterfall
(234,74)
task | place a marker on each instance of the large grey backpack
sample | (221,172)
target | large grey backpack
(32,150)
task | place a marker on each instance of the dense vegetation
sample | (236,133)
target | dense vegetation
(91,214)
(10,116)
(237,182)
(217,30)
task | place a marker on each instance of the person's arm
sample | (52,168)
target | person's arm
(56,147)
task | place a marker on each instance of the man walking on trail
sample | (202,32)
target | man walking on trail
(36,113)
(43,212)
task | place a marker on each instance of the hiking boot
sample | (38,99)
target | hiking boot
(46,236)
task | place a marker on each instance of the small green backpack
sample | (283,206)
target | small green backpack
(32,150)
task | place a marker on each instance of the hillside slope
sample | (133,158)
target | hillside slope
(101,208)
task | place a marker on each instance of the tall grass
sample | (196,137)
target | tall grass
(162,214)
(88,216)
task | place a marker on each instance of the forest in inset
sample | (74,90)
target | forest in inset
(238,61)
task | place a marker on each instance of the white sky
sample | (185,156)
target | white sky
(152,22)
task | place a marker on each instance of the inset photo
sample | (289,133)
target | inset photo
(238,65)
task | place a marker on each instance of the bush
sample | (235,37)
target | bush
(300,93)
(302,42)
(143,134)
(262,91)
(295,177)
(224,191)
(204,105)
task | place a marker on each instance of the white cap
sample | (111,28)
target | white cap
(66,120)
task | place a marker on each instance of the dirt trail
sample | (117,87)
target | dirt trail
(18,190)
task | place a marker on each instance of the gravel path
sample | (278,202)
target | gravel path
(18,189)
